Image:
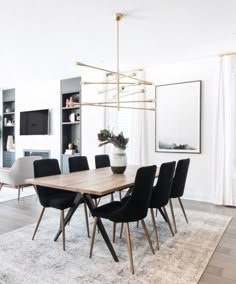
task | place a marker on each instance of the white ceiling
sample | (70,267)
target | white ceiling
(43,38)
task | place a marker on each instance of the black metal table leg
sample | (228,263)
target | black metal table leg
(102,230)
(78,200)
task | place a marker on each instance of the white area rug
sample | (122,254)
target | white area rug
(8,193)
(180,260)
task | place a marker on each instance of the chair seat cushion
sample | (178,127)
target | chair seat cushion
(105,210)
(61,201)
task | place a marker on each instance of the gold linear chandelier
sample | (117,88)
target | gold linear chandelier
(121,81)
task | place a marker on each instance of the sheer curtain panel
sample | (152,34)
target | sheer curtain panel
(224,136)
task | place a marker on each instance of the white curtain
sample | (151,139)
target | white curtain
(131,122)
(224,136)
(138,130)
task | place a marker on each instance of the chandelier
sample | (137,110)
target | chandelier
(120,81)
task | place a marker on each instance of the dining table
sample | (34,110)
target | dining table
(98,182)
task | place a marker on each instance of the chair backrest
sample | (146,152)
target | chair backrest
(22,169)
(161,191)
(42,168)
(137,205)
(78,163)
(102,161)
(180,177)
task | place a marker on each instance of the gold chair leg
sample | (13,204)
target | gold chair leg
(39,220)
(147,235)
(129,247)
(63,229)
(114,232)
(173,214)
(121,230)
(18,192)
(86,219)
(137,223)
(93,236)
(182,207)
(154,227)
(168,221)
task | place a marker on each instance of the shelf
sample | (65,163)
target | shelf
(68,108)
(74,122)
(70,93)
(13,125)
(8,113)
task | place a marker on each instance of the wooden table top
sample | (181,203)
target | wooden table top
(99,181)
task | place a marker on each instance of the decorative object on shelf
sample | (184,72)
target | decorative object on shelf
(77,116)
(118,159)
(71,103)
(116,100)
(72,117)
(69,152)
(71,146)
(8,110)
(67,103)
(9,145)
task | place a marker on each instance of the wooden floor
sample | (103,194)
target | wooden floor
(221,268)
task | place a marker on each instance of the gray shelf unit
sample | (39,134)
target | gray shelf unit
(8,125)
(70,130)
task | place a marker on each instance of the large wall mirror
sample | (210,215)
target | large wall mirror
(178,117)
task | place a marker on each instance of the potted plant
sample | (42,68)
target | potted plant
(118,160)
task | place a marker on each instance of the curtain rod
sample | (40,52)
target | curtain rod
(227,54)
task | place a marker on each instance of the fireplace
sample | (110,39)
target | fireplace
(45,154)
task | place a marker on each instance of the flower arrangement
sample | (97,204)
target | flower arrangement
(106,136)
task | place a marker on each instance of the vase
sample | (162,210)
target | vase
(118,161)
(9,145)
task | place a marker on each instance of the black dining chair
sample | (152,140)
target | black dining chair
(102,161)
(133,209)
(78,163)
(50,197)
(178,185)
(161,194)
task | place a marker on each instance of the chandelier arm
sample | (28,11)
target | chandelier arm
(107,83)
(125,107)
(113,102)
(113,72)
(113,89)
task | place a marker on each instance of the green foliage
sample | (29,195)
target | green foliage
(106,136)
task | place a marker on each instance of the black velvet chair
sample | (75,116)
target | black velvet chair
(178,185)
(50,197)
(161,194)
(102,161)
(78,164)
(132,209)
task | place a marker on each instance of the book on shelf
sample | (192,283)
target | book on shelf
(69,152)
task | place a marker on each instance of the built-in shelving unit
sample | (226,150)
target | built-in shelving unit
(8,126)
(70,119)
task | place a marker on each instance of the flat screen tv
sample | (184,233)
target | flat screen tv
(34,122)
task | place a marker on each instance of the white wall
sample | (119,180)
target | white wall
(33,95)
(41,94)
(199,182)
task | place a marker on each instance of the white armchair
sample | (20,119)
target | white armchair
(16,175)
